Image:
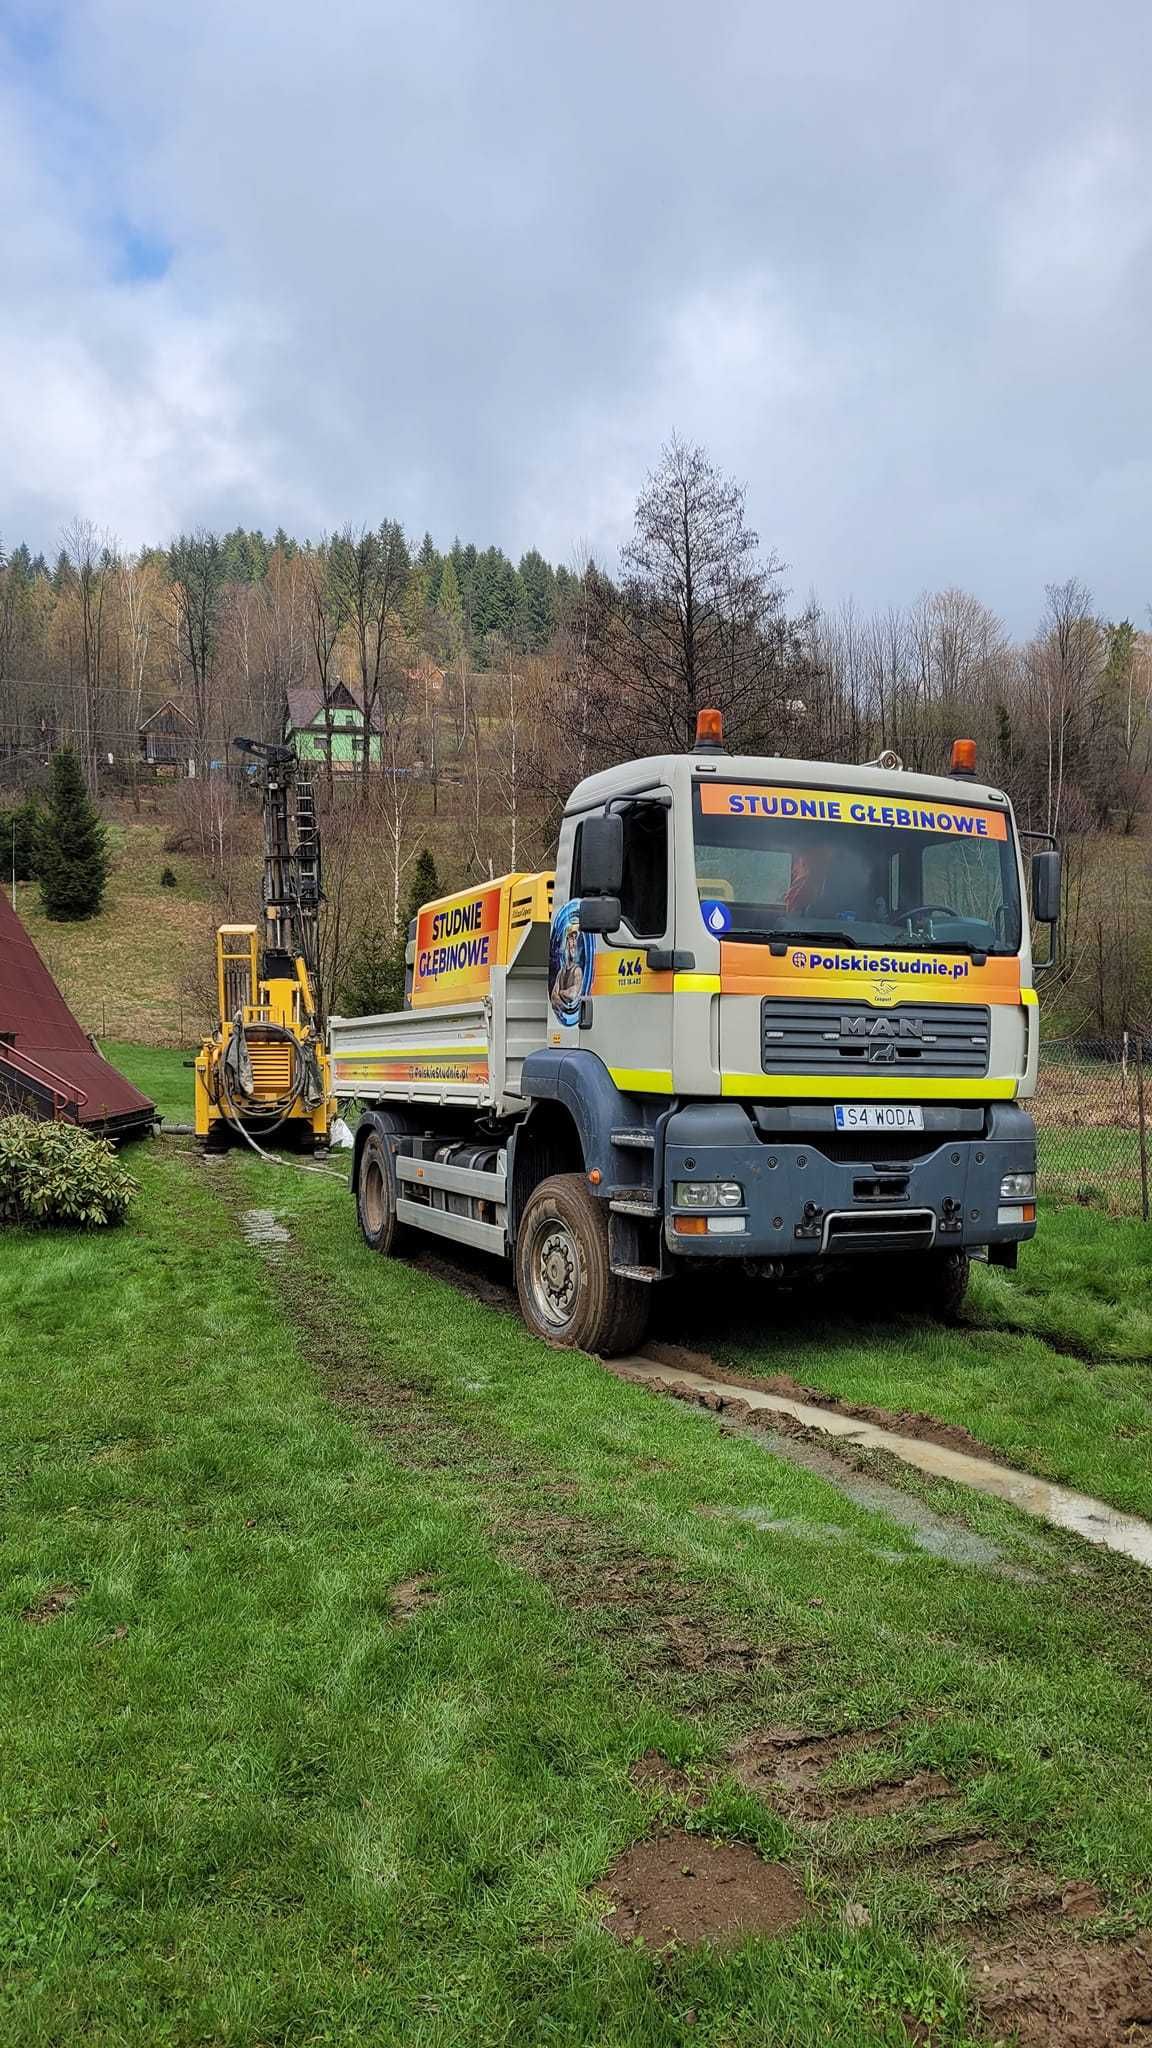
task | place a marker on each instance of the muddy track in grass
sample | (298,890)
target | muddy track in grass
(910,1422)
(1102,1525)
(1016,1926)
(472,1273)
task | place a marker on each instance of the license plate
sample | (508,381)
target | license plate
(878,1116)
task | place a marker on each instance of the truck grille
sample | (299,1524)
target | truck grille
(932,1039)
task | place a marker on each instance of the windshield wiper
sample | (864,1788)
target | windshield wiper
(826,934)
(949,946)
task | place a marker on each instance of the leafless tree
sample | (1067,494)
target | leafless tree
(140,595)
(698,617)
(196,573)
(369,571)
(92,554)
(326,615)
(1065,665)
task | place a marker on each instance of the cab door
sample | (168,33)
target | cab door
(626,1016)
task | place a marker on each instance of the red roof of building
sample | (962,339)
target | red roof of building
(43,1046)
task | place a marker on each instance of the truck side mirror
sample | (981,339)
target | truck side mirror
(602,858)
(599,913)
(1046,887)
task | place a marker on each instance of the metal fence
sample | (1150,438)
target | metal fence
(1091,1113)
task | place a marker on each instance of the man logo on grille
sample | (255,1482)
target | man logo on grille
(881,1027)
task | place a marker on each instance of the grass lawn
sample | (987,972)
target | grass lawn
(161,1073)
(248,1802)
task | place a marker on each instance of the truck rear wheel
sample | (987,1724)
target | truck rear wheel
(376,1196)
(568,1293)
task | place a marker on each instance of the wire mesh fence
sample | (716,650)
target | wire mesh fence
(1091,1114)
(178,1027)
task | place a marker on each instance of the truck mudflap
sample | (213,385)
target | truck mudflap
(819,1194)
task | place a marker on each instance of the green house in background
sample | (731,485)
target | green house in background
(307,725)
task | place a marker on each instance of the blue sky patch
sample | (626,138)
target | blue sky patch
(138,256)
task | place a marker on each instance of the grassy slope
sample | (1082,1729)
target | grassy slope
(241,1805)
(130,966)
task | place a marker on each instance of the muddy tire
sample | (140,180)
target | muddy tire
(376,1196)
(568,1293)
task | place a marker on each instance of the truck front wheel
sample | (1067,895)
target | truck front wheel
(568,1293)
(934,1285)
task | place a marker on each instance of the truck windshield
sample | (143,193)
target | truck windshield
(861,868)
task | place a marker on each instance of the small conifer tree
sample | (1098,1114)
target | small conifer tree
(373,979)
(19,841)
(72,855)
(366,984)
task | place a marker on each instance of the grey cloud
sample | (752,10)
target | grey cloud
(469,265)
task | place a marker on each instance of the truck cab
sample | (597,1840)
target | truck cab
(820,969)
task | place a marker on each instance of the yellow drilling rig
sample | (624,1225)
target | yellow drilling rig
(264,1071)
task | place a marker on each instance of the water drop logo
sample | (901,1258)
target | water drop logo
(717,916)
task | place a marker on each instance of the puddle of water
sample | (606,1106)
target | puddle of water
(822,1533)
(927,1530)
(263,1227)
(1092,1519)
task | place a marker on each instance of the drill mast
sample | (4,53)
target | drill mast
(291,891)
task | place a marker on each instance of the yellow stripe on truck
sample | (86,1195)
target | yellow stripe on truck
(643,1080)
(859,1088)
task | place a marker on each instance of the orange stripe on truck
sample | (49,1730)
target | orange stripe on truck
(870,974)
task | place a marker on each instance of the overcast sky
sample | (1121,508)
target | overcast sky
(469,264)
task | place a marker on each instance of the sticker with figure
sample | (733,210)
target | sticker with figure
(570,953)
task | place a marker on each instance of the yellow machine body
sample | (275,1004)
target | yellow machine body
(277,1016)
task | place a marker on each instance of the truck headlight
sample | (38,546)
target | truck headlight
(1018,1187)
(708,1194)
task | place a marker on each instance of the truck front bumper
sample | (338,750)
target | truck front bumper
(811,1194)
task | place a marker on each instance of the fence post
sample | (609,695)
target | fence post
(1143,1125)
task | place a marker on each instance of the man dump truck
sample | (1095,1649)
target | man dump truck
(264,1070)
(766,1011)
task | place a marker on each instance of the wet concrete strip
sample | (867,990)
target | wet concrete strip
(1092,1519)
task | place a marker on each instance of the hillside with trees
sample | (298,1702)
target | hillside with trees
(481,689)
